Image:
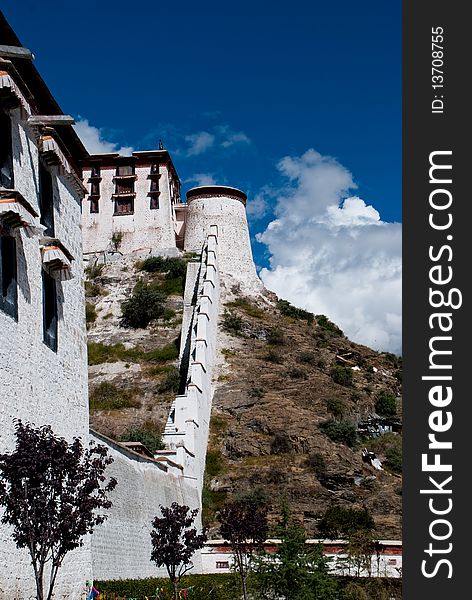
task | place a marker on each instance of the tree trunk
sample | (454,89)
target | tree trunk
(176,590)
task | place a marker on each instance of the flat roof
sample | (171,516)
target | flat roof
(216,190)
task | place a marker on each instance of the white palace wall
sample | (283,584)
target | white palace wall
(121,546)
(39,385)
(146,230)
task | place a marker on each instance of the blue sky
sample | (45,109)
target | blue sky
(233,88)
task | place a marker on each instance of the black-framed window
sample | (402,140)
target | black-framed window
(8,277)
(49,311)
(155,168)
(154,202)
(124,206)
(46,199)
(95,188)
(95,171)
(125,186)
(94,205)
(6,152)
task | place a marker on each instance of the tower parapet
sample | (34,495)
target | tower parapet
(224,207)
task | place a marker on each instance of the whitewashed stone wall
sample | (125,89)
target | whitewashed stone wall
(228,213)
(121,547)
(186,431)
(38,385)
(147,230)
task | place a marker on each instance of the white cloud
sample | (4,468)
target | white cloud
(333,254)
(201,179)
(199,142)
(92,139)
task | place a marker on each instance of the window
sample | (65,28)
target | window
(8,277)
(6,152)
(124,206)
(124,187)
(95,188)
(94,208)
(95,171)
(222,564)
(154,168)
(46,199)
(124,170)
(154,203)
(49,311)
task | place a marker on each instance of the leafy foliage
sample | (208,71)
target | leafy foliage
(275,337)
(336,407)
(145,304)
(341,375)
(327,325)
(232,323)
(295,572)
(316,462)
(175,541)
(247,306)
(95,270)
(343,432)
(288,310)
(50,490)
(386,404)
(341,522)
(243,524)
(148,434)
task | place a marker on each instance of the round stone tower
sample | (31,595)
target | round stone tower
(224,207)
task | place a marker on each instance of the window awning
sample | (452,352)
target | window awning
(57,260)
(8,86)
(16,212)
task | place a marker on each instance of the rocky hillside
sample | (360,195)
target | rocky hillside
(291,391)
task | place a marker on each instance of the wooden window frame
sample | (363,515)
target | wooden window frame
(7,174)
(50,313)
(8,276)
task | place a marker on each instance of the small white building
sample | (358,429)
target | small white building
(133,204)
(43,375)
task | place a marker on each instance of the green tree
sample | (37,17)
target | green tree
(297,571)
(386,404)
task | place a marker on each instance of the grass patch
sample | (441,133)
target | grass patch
(275,337)
(99,353)
(247,306)
(92,290)
(107,396)
(273,357)
(336,407)
(214,463)
(295,373)
(218,425)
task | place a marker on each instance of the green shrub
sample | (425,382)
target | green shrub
(107,396)
(336,407)
(343,432)
(394,459)
(288,310)
(142,307)
(386,404)
(90,313)
(275,337)
(295,373)
(327,325)
(148,433)
(99,353)
(214,463)
(280,444)
(274,357)
(232,323)
(308,358)
(341,375)
(339,521)
(171,381)
(175,270)
(256,392)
